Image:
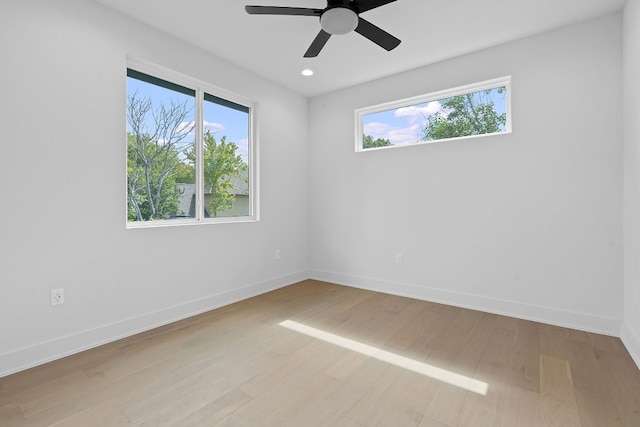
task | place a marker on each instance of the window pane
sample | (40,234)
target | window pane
(226,158)
(160,149)
(468,114)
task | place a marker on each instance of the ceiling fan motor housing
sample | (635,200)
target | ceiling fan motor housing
(339,20)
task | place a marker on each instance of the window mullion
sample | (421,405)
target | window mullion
(199,142)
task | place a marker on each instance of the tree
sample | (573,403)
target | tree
(153,155)
(185,173)
(222,167)
(369,142)
(465,115)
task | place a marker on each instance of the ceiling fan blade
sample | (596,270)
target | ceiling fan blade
(317,44)
(364,5)
(376,34)
(278,10)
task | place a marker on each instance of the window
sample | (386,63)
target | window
(463,112)
(189,151)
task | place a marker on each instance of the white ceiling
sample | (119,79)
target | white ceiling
(430,30)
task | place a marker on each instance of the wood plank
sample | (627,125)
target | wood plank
(11,415)
(552,341)
(430,422)
(595,405)
(299,393)
(623,383)
(276,372)
(558,406)
(594,412)
(493,369)
(333,409)
(607,343)
(398,398)
(420,323)
(404,320)
(525,361)
(365,410)
(521,408)
(216,410)
(448,403)
(345,422)
(96,415)
(229,422)
(416,397)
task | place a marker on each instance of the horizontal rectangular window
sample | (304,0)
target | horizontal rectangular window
(189,151)
(468,111)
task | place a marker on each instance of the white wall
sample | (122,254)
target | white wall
(62,181)
(527,224)
(631,69)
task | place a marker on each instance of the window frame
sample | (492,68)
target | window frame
(429,97)
(201,88)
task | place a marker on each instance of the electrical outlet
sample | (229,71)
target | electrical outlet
(57,296)
(277,253)
(399,258)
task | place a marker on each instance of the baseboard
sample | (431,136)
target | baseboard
(632,342)
(44,352)
(581,321)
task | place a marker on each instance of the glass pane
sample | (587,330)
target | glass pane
(474,113)
(226,158)
(160,149)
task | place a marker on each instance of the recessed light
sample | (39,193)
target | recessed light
(307,72)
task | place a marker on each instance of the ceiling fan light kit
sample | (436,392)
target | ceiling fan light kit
(339,20)
(339,17)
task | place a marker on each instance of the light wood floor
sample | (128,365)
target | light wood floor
(237,366)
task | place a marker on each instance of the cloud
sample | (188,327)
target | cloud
(419,111)
(397,135)
(212,127)
(189,127)
(376,129)
(407,135)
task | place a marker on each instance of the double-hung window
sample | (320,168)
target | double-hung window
(190,151)
(470,111)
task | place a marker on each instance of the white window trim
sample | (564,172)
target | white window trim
(434,96)
(201,87)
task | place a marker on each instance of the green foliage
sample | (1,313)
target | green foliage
(369,142)
(221,167)
(465,115)
(185,173)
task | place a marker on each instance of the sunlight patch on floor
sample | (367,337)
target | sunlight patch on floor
(439,374)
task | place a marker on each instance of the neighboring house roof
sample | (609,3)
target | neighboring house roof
(241,187)
(187,200)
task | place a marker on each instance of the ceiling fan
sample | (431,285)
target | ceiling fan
(339,17)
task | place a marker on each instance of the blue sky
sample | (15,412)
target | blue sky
(219,120)
(404,125)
